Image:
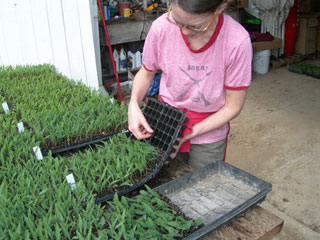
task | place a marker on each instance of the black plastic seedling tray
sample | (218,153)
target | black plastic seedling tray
(314,75)
(292,69)
(217,193)
(134,186)
(166,122)
(69,149)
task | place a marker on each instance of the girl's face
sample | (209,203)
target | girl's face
(192,25)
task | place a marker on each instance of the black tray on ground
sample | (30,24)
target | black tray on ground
(291,69)
(135,186)
(166,122)
(314,75)
(67,150)
(217,193)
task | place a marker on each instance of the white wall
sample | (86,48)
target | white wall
(59,32)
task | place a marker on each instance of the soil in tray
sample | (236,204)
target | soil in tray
(171,170)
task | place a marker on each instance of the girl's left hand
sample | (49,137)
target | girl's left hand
(177,147)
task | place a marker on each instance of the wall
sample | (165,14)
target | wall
(58,32)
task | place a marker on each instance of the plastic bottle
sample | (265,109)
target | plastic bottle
(132,62)
(116,59)
(138,59)
(123,60)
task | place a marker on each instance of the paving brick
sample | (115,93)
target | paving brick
(199,208)
(194,194)
(224,194)
(208,203)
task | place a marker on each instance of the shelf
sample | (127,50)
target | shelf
(131,19)
(275,43)
(121,72)
(124,30)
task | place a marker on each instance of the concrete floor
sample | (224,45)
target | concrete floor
(277,138)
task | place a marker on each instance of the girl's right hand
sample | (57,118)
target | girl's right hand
(138,125)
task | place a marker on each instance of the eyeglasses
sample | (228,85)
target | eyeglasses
(190,27)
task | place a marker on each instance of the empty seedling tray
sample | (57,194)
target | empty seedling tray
(166,122)
(217,193)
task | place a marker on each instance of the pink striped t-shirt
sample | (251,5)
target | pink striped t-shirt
(197,79)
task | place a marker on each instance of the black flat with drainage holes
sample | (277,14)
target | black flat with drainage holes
(216,193)
(166,122)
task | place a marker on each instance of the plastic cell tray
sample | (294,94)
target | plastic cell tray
(166,122)
(69,149)
(217,193)
(291,69)
(134,186)
(314,75)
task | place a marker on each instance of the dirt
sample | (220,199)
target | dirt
(277,138)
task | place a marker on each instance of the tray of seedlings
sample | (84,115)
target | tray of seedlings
(312,71)
(63,115)
(154,216)
(217,194)
(305,68)
(55,197)
(296,68)
(166,121)
(48,204)
(48,208)
(120,166)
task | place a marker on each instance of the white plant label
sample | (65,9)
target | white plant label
(20,127)
(71,181)
(125,131)
(112,100)
(5,107)
(38,153)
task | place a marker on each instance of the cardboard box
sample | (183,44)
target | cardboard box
(242,3)
(307,35)
(275,43)
(315,15)
(307,6)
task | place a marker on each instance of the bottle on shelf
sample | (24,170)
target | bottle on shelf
(116,59)
(123,60)
(131,60)
(138,57)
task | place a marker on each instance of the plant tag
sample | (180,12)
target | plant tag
(5,107)
(38,153)
(125,131)
(112,100)
(20,127)
(71,181)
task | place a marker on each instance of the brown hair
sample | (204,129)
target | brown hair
(198,6)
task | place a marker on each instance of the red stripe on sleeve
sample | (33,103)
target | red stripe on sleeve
(147,68)
(236,88)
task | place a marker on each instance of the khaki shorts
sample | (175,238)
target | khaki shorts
(201,155)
